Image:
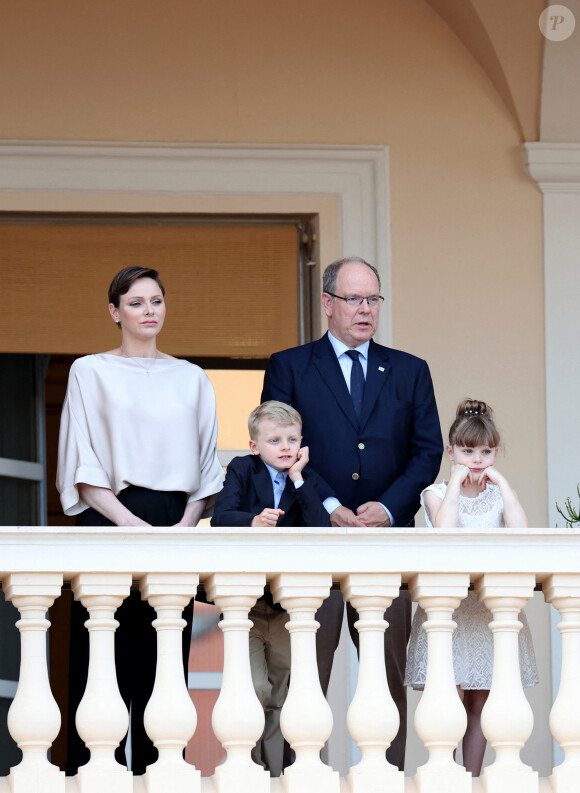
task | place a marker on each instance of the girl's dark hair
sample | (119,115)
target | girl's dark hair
(125,279)
(474,425)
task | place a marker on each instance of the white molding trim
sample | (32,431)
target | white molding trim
(21,469)
(358,176)
(556,169)
(554,166)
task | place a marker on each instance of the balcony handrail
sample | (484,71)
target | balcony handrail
(336,550)
(300,565)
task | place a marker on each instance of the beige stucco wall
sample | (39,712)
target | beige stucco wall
(465,221)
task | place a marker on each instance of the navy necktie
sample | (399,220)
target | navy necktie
(279,485)
(357,381)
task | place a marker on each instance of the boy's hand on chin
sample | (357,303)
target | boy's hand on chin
(295,471)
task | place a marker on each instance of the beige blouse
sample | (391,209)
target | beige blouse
(137,421)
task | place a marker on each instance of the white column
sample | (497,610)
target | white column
(563,590)
(507,719)
(102,719)
(306,717)
(170,717)
(440,718)
(373,719)
(34,717)
(238,717)
(556,169)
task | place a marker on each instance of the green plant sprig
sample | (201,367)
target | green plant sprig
(571,515)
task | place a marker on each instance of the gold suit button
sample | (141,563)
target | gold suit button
(355,476)
(361,446)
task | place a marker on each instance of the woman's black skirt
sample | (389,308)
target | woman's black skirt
(135,638)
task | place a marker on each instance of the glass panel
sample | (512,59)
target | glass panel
(9,670)
(18,407)
(10,647)
(19,502)
(10,754)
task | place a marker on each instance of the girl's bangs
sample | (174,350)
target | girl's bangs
(477,433)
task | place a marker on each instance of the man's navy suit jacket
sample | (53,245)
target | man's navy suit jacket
(248,490)
(392,453)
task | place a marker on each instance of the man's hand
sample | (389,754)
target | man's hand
(342,516)
(372,514)
(267,517)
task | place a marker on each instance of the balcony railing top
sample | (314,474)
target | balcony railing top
(339,551)
(300,564)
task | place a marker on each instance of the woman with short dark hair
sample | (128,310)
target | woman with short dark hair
(137,448)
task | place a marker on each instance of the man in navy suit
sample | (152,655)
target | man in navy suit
(370,420)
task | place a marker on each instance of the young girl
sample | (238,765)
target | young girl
(476,496)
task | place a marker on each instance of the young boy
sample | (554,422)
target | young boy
(271,487)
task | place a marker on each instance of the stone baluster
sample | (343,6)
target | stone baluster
(507,719)
(306,717)
(34,717)
(373,719)
(170,717)
(440,718)
(563,591)
(102,719)
(238,717)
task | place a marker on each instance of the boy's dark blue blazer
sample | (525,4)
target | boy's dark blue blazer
(248,490)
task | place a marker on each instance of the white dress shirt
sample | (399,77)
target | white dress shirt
(345,361)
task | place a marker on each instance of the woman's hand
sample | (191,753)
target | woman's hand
(193,512)
(267,517)
(106,502)
(134,521)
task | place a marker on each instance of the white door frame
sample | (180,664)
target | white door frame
(346,186)
(137,177)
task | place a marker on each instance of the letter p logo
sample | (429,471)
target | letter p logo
(557,23)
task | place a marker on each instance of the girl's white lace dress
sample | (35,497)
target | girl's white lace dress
(472,639)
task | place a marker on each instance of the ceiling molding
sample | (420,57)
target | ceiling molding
(555,167)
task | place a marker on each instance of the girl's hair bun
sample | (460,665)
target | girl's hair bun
(474,425)
(473,407)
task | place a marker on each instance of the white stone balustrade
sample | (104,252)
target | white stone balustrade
(563,591)
(306,718)
(440,717)
(34,718)
(170,717)
(507,719)
(102,719)
(373,718)
(238,718)
(300,564)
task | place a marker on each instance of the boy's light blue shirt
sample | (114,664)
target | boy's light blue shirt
(273,474)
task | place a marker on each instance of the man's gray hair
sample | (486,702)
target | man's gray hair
(331,273)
